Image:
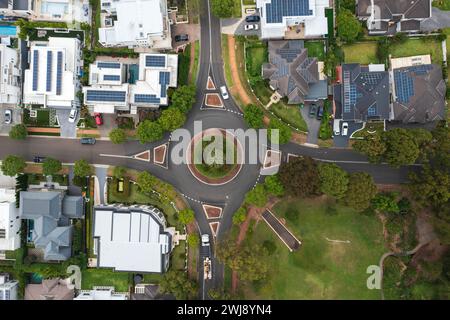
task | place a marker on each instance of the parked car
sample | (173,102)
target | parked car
(312,110)
(8,116)
(336,128)
(252,19)
(181,37)
(320,113)
(87,140)
(38,159)
(224,92)
(73,115)
(249,27)
(98,118)
(345,129)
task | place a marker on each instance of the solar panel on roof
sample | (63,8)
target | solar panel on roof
(35,69)
(404,86)
(278,9)
(164,80)
(49,70)
(106,95)
(155,61)
(111,77)
(109,65)
(59,68)
(146,98)
(372,111)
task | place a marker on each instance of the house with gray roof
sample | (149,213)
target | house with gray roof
(362,93)
(419,94)
(51,212)
(293,73)
(387,17)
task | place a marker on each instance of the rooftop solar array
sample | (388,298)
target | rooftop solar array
(49,70)
(59,70)
(146,98)
(164,80)
(404,85)
(371,78)
(109,65)
(349,93)
(155,61)
(111,77)
(277,9)
(372,111)
(422,69)
(35,69)
(106,95)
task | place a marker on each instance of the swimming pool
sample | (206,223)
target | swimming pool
(8,30)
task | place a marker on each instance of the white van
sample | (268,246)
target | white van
(337,127)
(224,92)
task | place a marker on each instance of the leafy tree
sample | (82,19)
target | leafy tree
(117,136)
(274,186)
(361,190)
(146,181)
(149,131)
(372,146)
(18,132)
(257,196)
(222,8)
(401,149)
(219,294)
(253,116)
(119,172)
(431,186)
(81,168)
(51,166)
(183,98)
(186,216)
(300,177)
(239,216)
(13,165)
(348,26)
(386,202)
(284,132)
(171,119)
(421,137)
(270,247)
(178,284)
(333,180)
(193,240)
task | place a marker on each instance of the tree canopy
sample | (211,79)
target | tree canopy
(171,119)
(186,216)
(361,190)
(348,26)
(401,148)
(300,177)
(81,168)
(51,166)
(284,132)
(240,216)
(371,145)
(274,186)
(149,131)
(257,196)
(183,98)
(253,116)
(18,132)
(178,284)
(193,240)
(146,181)
(117,136)
(119,172)
(13,165)
(333,180)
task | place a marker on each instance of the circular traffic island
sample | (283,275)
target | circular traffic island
(214,157)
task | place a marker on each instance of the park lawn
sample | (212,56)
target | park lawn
(316,49)
(414,47)
(319,269)
(362,52)
(290,114)
(106,277)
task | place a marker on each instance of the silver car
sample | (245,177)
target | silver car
(8,116)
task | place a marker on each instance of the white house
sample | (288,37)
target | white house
(109,90)
(101,293)
(307,17)
(132,238)
(9,75)
(8,288)
(52,79)
(9,221)
(139,23)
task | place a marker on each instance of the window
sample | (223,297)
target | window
(2,233)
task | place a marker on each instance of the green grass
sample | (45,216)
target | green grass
(370,128)
(442,4)
(225,49)
(256,56)
(319,269)
(363,52)
(183,69)
(237,11)
(178,257)
(249,2)
(106,277)
(414,47)
(196,63)
(290,114)
(316,49)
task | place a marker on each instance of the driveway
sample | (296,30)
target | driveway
(16,117)
(193,30)
(439,20)
(341,141)
(236,27)
(68,130)
(101,174)
(109,123)
(312,123)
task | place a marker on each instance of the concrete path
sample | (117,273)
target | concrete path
(101,173)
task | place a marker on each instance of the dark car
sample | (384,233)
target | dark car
(181,37)
(320,113)
(312,110)
(38,159)
(87,140)
(252,19)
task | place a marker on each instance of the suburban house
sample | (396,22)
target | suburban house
(362,93)
(16,8)
(9,222)
(387,17)
(52,79)
(50,289)
(10,76)
(8,287)
(51,212)
(293,19)
(101,293)
(132,238)
(418,90)
(293,74)
(135,23)
(110,89)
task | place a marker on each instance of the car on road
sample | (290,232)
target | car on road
(224,92)
(8,116)
(249,27)
(88,140)
(319,113)
(252,19)
(312,110)
(73,115)
(38,159)
(181,37)
(345,129)
(98,118)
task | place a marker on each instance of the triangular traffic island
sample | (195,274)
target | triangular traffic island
(212,212)
(272,159)
(210,85)
(143,156)
(160,155)
(214,228)
(212,100)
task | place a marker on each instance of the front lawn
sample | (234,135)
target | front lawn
(290,114)
(415,47)
(320,269)
(442,4)
(316,49)
(362,52)
(106,277)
